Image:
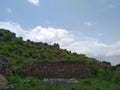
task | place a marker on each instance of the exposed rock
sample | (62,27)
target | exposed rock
(118,88)
(5,66)
(61,69)
(3,82)
(60,81)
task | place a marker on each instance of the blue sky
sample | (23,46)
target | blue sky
(94,23)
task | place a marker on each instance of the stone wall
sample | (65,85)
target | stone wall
(61,69)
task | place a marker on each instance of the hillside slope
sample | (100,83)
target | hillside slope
(27,56)
(20,51)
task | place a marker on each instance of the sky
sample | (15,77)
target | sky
(89,27)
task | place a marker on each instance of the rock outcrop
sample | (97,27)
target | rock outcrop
(61,69)
(3,82)
(5,66)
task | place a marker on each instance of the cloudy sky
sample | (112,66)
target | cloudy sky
(91,27)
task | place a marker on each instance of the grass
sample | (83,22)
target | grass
(32,83)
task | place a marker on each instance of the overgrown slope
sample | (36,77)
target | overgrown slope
(20,52)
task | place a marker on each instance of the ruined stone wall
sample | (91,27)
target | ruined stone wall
(62,69)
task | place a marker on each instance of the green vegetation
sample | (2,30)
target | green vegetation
(32,83)
(20,52)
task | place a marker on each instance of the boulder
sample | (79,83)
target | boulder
(3,82)
(61,81)
(5,66)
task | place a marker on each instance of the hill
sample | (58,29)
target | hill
(27,57)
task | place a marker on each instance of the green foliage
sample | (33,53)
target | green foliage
(116,77)
(25,83)
(6,35)
(32,83)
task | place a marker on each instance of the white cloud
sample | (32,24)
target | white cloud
(35,2)
(50,35)
(89,23)
(13,27)
(67,40)
(94,48)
